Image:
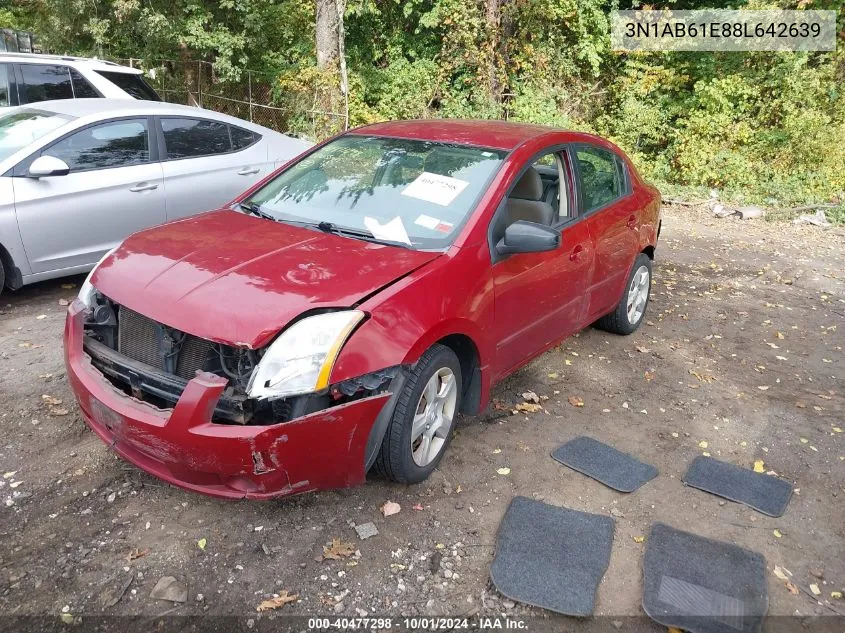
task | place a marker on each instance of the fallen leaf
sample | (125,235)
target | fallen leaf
(41,316)
(702,376)
(815,589)
(804,440)
(779,335)
(777,533)
(530,396)
(337,549)
(554,375)
(649,376)
(458,490)
(50,400)
(58,411)
(672,629)
(496,451)
(68,286)
(782,573)
(528,407)
(576,401)
(643,350)
(504,471)
(418,507)
(136,554)
(64,302)
(639,539)
(836,595)
(763,387)
(702,444)
(202,543)
(759,466)
(390,508)
(274,603)
(800,405)
(566,361)
(836,429)
(499,405)
(791,588)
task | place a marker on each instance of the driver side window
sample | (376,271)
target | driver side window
(113,144)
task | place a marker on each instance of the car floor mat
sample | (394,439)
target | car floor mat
(604,463)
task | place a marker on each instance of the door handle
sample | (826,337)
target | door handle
(248,171)
(632,222)
(576,252)
(143,186)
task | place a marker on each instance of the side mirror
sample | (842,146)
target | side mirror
(528,237)
(48,166)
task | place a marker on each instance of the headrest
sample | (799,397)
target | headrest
(529,187)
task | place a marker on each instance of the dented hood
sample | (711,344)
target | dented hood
(238,279)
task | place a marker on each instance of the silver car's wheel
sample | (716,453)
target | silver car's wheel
(433,416)
(638,294)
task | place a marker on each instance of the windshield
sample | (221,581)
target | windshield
(416,193)
(19,129)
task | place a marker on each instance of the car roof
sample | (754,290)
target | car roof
(79,108)
(505,135)
(94,64)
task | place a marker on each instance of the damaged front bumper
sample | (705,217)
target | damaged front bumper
(322,450)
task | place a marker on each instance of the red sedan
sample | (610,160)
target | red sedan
(341,313)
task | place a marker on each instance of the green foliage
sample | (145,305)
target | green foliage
(761,127)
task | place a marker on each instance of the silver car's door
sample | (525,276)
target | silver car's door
(208,163)
(115,187)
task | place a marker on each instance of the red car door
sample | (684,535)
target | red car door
(611,212)
(540,297)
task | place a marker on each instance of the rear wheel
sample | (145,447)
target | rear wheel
(421,426)
(2,276)
(629,313)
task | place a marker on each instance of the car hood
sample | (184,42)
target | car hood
(238,279)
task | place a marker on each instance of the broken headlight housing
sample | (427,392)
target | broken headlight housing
(87,292)
(300,360)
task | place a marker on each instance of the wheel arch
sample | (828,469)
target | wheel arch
(13,279)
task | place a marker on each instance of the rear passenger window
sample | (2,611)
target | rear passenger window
(4,86)
(189,138)
(81,88)
(602,177)
(43,82)
(241,138)
(113,144)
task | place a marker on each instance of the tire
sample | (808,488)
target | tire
(621,320)
(2,276)
(398,458)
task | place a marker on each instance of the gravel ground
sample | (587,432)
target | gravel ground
(741,357)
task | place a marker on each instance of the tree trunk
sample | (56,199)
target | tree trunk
(493,18)
(328,45)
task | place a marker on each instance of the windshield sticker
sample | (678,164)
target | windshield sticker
(426,221)
(444,227)
(393,230)
(435,188)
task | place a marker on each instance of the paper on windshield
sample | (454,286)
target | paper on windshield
(394,230)
(435,188)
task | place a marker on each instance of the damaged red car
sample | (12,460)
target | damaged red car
(337,317)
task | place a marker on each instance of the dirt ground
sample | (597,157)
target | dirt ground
(741,357)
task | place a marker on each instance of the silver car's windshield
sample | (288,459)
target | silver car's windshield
(410,192)
(19,129)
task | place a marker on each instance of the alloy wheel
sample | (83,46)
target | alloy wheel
(638,295)
(433,416)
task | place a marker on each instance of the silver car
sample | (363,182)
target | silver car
(79,175)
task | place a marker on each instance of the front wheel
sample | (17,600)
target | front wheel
(421,425)
(629,313)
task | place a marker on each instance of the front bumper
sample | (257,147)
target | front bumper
(323,450)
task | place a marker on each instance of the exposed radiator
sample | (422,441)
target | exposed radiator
(140,338)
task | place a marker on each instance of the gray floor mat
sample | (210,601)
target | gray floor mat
(764,493)
(604,463)
(551,557)
(701,585)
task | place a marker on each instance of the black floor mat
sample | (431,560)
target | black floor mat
(551,557)
(604,463)
(764,493)
(701,585)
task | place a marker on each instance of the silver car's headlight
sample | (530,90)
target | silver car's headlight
(300,360)
(87,292)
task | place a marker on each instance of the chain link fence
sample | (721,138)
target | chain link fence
(251,97)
